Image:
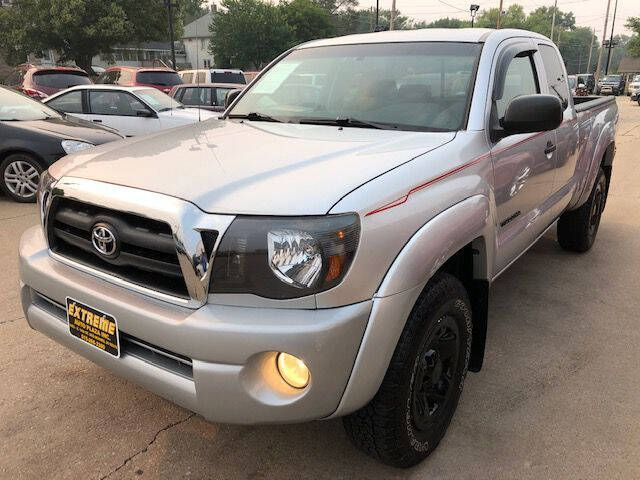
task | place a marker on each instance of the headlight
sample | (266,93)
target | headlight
(43,195)
(72,146)
(285,257)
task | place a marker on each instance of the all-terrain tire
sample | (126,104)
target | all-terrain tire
(393,427)
(577,229)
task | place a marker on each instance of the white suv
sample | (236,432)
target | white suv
(213,75)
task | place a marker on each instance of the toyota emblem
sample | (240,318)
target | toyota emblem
(104,240)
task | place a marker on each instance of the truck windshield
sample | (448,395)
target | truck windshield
(423,86)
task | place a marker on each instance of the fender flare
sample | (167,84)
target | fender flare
(605,148)
(425,252)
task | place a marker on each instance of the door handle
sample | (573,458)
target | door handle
(550,148)
(97,121)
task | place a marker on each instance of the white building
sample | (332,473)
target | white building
(196,42)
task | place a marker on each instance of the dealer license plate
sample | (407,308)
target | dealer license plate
(94,327)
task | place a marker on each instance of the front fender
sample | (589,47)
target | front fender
(427,250)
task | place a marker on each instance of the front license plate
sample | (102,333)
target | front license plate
(93,327)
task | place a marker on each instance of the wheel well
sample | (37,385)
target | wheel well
(607,163)
(5,153)
(469,266)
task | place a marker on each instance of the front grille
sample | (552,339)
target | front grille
(129,345)
(147,254)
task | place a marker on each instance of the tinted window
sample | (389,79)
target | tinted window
(555,73)
(196,96)
(221,95)
(69,102)
(411,85)
(60,80)
(159,78)
(114,103)
(228,77)
(520,80)
(611,78)
(15,107)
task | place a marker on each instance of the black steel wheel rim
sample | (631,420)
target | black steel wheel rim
(596,208)
(435,370)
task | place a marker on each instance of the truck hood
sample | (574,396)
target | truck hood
(234,167)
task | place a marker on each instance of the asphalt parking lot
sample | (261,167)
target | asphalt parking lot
(559,396)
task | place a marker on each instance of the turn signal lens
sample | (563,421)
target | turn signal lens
(293,370)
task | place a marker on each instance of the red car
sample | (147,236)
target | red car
(161,78)
(40,81)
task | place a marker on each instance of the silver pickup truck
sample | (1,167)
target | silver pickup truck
(326,248)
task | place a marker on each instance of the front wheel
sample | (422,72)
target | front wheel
(577,229)
(411,411)
(20,177)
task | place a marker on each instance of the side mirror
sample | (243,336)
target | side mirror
(231,96)
(532,113)
(145,114)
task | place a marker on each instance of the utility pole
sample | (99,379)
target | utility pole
(378,13)
(611,44)
(593,36)
(170,6)
(499,15)
(604,39)
(553,18)
(393,14)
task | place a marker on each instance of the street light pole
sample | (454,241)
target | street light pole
(473,9)
(169,6)
(553,18)
(604,39)
(611,45)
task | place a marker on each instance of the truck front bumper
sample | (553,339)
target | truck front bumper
(218,361)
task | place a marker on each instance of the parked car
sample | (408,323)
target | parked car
(589,80)
(33,136)
(325,251)
(40,81)
(210,96)
(161,78)
(577,88)
(213,75)
(129,110)
(634,88)
(611,85)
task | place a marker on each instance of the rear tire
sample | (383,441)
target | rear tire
(411,411)
(19,177)
(577,229)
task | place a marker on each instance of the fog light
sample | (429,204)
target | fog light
(293,370)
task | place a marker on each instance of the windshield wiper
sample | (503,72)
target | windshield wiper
(255,117)
(347,122)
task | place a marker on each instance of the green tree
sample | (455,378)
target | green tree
(540,19)
(307,20)
(248,34)
(80,29)
(444,23)
(633,47)
(513,17)
(574,46)
(193,9)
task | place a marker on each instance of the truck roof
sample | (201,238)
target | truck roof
(469,35)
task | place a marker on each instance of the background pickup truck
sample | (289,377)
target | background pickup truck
(327,247)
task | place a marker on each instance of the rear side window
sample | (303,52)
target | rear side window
(555,73)
(520,80)
(227,77)
(165,79)
(68,103)
(187,77)
(60,80)
(201,77)
(221,95)
(196,96)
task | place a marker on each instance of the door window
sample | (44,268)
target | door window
(520,80)
(115,103)
(69,102)
(196,96)
(555,74)
(221,95)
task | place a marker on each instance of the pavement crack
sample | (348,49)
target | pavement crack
(145,449)
(11,321)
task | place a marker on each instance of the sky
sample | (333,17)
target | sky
(588,13)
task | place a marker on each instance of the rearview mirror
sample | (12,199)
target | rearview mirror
(532,113)
(231,96)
